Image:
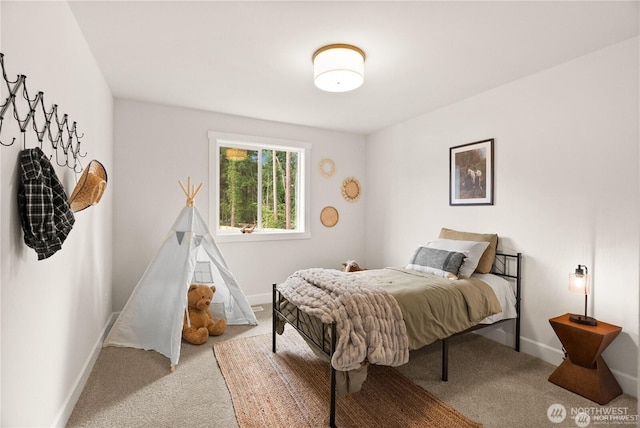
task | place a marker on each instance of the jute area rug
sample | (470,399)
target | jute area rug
(291,389)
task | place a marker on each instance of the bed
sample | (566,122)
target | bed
(378,316)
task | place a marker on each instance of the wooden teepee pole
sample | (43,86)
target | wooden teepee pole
(190,191)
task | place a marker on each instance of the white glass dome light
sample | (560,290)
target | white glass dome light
(338,68)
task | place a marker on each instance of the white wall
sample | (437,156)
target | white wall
(566,191)
(549,129)
(53,311)
(155,146)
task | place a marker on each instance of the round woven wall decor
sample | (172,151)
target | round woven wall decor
(350,189)
(327,167)
(329,216)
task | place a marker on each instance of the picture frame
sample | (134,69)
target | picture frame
(471,173)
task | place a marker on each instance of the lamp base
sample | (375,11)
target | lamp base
(583,319)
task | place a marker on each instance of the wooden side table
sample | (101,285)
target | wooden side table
(583,371)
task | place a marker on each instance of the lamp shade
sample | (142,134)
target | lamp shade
(338,68)
(579,282)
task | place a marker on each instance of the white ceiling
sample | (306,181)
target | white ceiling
(254,58)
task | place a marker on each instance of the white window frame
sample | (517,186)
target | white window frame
(250,142)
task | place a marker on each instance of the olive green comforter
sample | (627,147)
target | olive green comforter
(435,308)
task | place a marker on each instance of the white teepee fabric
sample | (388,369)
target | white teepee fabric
(152,318)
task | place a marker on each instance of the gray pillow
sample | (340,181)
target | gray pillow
(433,260)
(472,249)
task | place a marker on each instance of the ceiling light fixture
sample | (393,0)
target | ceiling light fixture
(338,68)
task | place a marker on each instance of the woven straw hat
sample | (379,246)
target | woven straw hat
(90,187)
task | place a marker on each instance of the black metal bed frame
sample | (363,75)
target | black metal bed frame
(503,266)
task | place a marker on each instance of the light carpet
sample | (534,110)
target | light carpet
(488,382)
(291,388)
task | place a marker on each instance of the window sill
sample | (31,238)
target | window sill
(261,236)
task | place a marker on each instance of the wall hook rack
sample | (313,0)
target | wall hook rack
(46,124)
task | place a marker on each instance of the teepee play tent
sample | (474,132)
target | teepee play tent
(153,316)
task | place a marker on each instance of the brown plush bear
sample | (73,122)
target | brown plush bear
(351,266)
(202,323)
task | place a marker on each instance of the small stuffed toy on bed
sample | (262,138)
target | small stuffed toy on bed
(351,266)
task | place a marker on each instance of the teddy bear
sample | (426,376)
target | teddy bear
(351,266)
(199,298)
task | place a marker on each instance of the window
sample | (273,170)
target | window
(202,273)
(258,188)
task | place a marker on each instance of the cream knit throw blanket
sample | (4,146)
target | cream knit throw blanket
(368,320)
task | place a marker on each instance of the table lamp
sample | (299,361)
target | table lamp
(579,283)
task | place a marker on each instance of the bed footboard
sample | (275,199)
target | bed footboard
(325,343)
(509,267)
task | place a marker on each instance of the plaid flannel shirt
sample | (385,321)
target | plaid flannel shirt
(46,216)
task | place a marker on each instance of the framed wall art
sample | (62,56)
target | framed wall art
(471,174)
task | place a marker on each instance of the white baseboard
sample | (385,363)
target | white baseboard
(498,334)
(539,350)
(71,400)
(260,299)
(553,356)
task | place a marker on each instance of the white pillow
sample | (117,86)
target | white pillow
(475,250)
